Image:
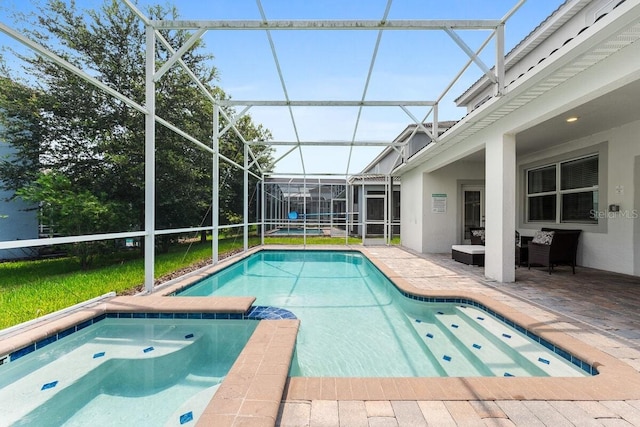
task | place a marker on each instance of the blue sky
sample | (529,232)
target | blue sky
(333,65)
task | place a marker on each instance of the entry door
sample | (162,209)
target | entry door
(375,219)
(472,210)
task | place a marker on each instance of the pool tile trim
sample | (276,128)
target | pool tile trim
(125,307)
(253,313)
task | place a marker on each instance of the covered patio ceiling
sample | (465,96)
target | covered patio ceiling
(613,109)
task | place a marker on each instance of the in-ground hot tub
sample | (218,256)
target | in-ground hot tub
(161,369)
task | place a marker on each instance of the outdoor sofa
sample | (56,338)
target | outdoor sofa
(472,254)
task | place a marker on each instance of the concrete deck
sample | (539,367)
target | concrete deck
(599,309)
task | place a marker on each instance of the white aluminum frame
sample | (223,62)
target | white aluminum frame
(153,36)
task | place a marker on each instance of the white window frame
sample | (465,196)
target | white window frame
(559,192)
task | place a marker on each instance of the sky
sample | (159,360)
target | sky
(334,65)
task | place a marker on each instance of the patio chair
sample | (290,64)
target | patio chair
(551,247)
(522,249)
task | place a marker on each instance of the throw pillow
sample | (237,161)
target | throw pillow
(478,233)
(543,237)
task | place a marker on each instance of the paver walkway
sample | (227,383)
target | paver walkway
(600,308)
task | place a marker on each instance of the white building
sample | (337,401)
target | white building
(516,163)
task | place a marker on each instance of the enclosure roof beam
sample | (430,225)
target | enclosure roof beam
(419,124)
(332,143)
(170,49)
(177,55)
(337,24)
(366,84)
(265,22)
(324,103)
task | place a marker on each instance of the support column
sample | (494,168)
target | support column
(215,185)
(262,210)
(245,213)
(500,60)
(500,196)
(636,223)
(149,162)
(304,209)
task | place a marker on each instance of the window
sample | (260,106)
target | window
(566,191)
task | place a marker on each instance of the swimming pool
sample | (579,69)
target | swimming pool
(355,323)
(123,372)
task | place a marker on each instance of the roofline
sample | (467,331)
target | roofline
(606,36)
(537,36)
(408,130)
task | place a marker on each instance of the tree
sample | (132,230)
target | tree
(20,124)
(71,211)
(97,142)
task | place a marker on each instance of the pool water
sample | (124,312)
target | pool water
(355,323)
(123,372)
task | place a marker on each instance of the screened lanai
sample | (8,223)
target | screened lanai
(286,200)
(313,206)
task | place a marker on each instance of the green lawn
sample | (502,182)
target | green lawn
(29,289)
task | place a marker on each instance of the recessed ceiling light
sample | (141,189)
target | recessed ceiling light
(572,119)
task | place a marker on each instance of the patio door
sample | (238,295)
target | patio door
(472,210)
(375,215)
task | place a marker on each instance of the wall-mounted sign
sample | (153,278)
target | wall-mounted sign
(438,203)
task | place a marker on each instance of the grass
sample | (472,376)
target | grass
(29,289)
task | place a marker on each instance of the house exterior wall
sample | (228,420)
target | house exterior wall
(424,230)
(441,230)
(16,222)
(610,245)
(597,62)
(386,164)
(636,224)
(419,141)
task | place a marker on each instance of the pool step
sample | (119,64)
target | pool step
(189,412)
(492,358)
(452,359)
(71,378)
(540,360)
